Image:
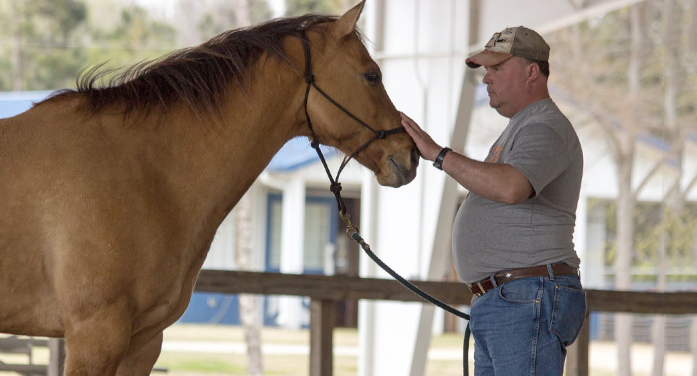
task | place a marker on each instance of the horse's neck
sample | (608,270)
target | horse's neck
(219,160)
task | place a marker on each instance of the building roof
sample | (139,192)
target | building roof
(297,153)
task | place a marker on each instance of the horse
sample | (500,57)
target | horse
(111,193)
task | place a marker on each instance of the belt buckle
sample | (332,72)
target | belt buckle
(481,289)
(478,285)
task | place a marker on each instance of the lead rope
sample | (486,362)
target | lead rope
(335,187)
(352,233)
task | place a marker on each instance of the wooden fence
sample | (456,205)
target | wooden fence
(325,291)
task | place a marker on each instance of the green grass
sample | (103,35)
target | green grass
(210,365)
(206,364)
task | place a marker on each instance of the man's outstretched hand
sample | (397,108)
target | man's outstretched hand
(427,147)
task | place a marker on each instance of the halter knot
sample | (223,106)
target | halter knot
(335,187)
(314,143)
(381,134)
(309,78)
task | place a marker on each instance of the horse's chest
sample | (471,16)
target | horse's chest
(175,291)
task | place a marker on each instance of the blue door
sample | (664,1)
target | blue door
(321,223)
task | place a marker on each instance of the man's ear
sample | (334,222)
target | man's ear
(532,71)
(347,23)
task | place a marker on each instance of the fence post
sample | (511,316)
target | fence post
(577,354)
(57,356)
(322,319)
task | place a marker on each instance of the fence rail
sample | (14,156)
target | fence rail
(325,291)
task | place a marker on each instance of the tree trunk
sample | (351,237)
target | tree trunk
(17,46)
(671,72)
(693,326)
(242,13)
(189,15)
(623,262)
(248,306)
(626,200)
(658,330)
(673,199)
(248,303)
(670,75)
(692,34)
(634,70)
(693,344)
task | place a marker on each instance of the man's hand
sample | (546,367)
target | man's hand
(499,182)
(427,147)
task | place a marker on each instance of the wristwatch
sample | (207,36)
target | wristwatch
(438,163)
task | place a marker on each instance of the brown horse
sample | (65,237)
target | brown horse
(110,196)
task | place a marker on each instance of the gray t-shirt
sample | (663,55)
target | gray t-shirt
(490,236)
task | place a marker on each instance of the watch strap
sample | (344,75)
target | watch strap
(438,163)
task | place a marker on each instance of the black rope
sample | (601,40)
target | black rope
(424,295)
(310,81)
(357,237)
(335,188)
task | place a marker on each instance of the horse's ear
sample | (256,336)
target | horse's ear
(347,23)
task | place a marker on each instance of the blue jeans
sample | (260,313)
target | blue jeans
(524,326)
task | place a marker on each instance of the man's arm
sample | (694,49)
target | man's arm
(495,181)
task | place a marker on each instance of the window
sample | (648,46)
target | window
(319,237)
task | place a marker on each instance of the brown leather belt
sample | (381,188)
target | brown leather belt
(480,288)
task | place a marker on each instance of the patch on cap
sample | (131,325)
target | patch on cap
(513,41)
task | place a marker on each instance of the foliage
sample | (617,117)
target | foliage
(591,61)
(300,7)
(55,39)
(637,90)
(225,18)
(44,44)
(652,221)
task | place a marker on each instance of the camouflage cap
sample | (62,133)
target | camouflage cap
(512,41)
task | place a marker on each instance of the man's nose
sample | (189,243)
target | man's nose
(486,79)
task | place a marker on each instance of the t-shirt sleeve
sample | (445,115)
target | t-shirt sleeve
(540,154)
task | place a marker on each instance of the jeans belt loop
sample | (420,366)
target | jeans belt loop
(481,288)
(493,280)
(550,271)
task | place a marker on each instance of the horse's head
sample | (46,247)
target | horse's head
(344,70)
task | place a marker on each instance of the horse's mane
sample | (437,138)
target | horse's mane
(200,75)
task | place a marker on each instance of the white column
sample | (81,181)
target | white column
(292,245)
(367,269)
(441,242)
(373,13)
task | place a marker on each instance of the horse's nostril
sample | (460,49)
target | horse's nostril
(414,157)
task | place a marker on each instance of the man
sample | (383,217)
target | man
(513,235)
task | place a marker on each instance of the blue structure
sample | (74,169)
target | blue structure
(14,103)
(206,308)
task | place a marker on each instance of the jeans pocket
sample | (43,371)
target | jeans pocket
(568,313)
(524,290)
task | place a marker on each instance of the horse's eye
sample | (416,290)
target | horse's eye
(372,77)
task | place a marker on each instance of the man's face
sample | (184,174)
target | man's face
(505,83)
